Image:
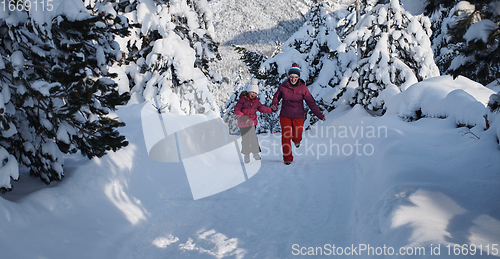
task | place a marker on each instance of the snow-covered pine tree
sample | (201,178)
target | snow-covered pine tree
(444,49)
(448,25)
(394,53)
(57,90)
(168,56)
(346,20)
(9,168)
(458,54)
(477,34)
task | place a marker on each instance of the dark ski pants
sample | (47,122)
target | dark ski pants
(249,141)
(291,130)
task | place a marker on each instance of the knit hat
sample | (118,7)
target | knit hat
(254,87)
(294,69)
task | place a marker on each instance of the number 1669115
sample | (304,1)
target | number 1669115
(26,5)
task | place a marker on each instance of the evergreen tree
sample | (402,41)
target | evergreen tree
(458,44)
(478,33)
(394,52)
(168,57)
(442,6)
(443,46)
(57,90)
(448,26)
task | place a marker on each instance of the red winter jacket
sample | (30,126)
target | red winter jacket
(293,97)
(246,110)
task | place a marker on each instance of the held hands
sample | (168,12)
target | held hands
(274,108)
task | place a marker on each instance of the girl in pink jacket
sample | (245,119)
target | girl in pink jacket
(246,111)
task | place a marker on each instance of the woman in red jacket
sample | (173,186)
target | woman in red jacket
(246,111)
(293,92)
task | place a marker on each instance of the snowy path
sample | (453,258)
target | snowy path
(426,184)
(261,218)
(267,215)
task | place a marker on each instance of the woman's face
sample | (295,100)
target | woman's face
(294,78)
(252,94)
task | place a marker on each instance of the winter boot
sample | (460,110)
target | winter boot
(288,162)
(297,144)
(246,159)
(256,156)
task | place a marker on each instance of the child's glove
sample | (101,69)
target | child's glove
(274,108)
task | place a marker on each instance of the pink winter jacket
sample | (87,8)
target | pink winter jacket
(246,110)
(293,97)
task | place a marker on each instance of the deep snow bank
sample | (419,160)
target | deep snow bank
(442,97)
(430,184)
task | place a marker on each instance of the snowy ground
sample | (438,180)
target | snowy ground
(420,184)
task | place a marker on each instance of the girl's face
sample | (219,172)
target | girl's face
(252,94)
(294,78)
